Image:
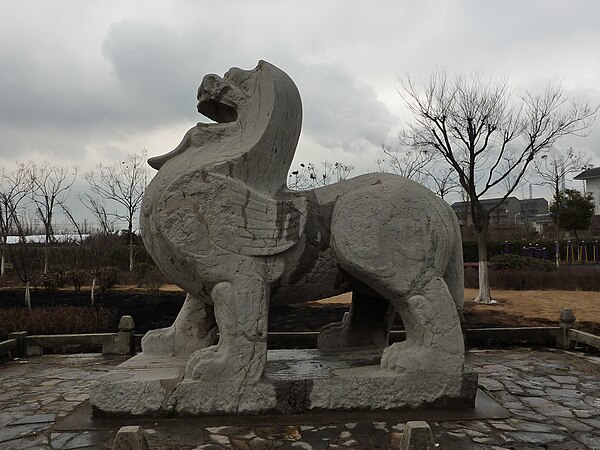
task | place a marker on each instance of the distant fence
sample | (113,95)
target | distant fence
(125,342)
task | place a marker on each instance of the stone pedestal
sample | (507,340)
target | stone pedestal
(295,381)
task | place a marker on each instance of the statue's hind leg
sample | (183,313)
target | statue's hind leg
(193,329)
(400,242)
(241,310)
(434,340)
(366,326)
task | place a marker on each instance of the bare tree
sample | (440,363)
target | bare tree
(15,186)
(51,186)
(98,241)
(309,176)
(123,183)
(421,166)
(440,180)
(486,137)
(552,168)
(20,254)
(409,162)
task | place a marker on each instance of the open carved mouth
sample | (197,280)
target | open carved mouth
(219,112)
(215,100)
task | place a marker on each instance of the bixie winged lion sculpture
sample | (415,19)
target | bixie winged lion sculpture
(219,221)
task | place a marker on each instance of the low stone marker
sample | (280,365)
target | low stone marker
(130,438)
(567,322)
(417,436)
(122,343)
(20,337)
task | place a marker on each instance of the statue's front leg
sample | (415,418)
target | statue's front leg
(241,311)
(193,329)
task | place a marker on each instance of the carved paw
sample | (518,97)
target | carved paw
(340,337)
(331,338)
(207,364)
(407,357)
(172,341)
(219,363)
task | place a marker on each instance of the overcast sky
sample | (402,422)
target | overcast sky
(83,82)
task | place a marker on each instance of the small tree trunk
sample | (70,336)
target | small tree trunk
(27,296)
(130,257)
(557,249)
(93,290)
(46,255)
(485,295)
(130,248)
(3,256)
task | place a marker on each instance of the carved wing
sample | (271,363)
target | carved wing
(237,218)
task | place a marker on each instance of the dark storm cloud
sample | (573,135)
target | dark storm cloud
(340,111)
(154,69)
(158,68)
(92,80)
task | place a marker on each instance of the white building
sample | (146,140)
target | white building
(592,184)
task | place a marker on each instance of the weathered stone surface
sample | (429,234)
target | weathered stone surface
(130,438)
(126,323)
(295,381)
(139,386)
(220,222)
(417,436)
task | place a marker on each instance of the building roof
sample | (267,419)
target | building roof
(589,173)
(489,201)
(485,201)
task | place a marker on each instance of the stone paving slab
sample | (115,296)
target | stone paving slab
(553,399)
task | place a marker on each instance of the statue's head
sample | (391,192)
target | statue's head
(219,98)
(258,112)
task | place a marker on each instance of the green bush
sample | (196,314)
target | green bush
(512,262)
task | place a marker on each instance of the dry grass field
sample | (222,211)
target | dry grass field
(524,308)
(544,305)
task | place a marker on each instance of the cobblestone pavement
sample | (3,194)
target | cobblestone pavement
(553,398)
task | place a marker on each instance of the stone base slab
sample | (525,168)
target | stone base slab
(295,381)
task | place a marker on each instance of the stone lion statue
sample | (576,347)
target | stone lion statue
(219,221)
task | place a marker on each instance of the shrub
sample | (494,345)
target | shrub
(108,277)
(77,277)
(508,261)
(139,272)
(52,280)
(57,320)
(153,282)
(566,278)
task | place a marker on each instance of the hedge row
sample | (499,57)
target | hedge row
(537,249)
(563,279)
